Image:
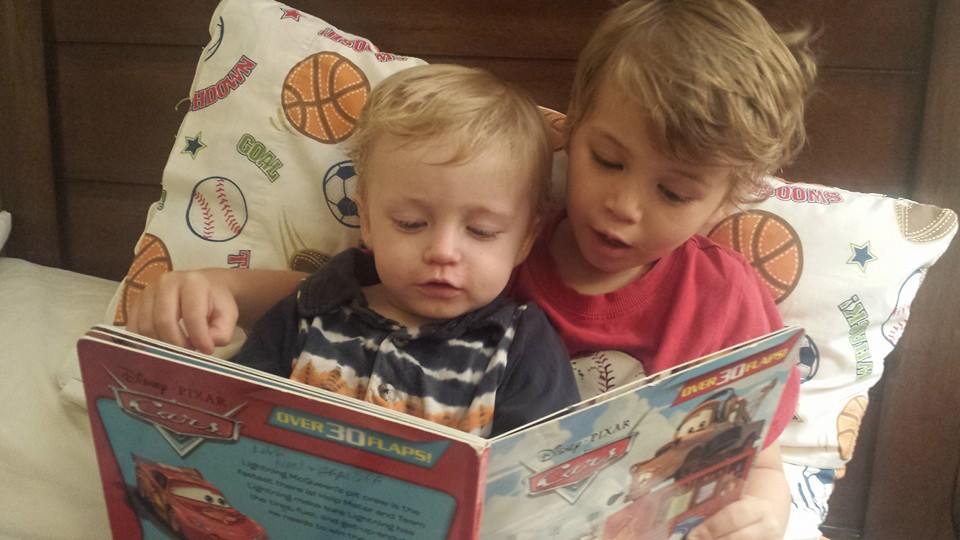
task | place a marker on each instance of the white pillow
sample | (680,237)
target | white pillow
(846,267)
(258,177)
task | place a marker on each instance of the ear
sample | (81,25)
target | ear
(364,218)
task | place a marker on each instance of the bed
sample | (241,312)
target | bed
(94,91)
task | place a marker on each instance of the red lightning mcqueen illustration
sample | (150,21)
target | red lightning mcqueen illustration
(192,507)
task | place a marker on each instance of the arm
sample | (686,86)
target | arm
(764,506)
(210,302)
(538,379)
(761,512)
(274,341)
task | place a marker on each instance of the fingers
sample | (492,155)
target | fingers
(194,307)
(739,520)
(166,310)
(223,316)
(186,308)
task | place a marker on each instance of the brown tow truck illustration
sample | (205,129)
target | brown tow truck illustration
(717,429)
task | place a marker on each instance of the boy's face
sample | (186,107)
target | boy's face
(629,205)
(445,237)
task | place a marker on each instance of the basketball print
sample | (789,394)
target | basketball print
(921,223)
(848,425)
(323,96)
(150,260)
(768,243)
(217,211)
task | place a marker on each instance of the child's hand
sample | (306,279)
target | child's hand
(749,518)
(206,306)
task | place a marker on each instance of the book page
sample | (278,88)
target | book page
(648,463)
(185,444)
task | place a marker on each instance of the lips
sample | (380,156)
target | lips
(439,289)
(610,241)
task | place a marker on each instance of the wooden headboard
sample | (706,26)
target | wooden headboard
(90,93)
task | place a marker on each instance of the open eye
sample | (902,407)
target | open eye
(606,163)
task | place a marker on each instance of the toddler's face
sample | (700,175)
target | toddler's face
(629,205)
(445,237)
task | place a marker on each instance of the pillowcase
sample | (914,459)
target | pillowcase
(258,176)
(845,266)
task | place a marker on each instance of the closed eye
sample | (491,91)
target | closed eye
(606,163)
(482,234)
(409,226)
(672,196)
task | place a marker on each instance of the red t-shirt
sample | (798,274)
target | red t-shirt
(699,299)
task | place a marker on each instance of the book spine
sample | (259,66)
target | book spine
(481,490)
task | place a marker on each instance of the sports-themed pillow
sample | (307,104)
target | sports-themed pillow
(845,266)
(257,177)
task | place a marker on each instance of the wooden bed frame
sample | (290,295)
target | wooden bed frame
(90,92)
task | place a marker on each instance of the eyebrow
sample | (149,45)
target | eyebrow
(424,202)
(688,175)
(672,170)
(604,134)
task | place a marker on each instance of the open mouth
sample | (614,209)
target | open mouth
(611,241)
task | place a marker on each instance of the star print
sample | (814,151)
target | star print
(194,145)
(290,14)
(861,255)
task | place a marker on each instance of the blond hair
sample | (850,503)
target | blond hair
(716,82)
(468,107)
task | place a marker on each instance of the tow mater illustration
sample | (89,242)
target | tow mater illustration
(192,507)
(715,430)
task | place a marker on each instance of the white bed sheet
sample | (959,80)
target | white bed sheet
(49,484)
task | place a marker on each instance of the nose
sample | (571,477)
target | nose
(624,205)
(443,247)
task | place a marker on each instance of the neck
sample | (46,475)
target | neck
(577,273)
(379,302)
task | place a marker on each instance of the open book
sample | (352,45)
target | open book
(190,446)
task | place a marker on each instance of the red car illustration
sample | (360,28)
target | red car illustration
(192,507)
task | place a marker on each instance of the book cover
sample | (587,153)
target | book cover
(196,447)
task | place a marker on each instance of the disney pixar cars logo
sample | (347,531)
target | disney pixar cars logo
(579,469)
(183,426)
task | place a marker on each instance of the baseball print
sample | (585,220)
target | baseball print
(217,211)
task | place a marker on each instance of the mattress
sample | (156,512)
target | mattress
(49,484)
